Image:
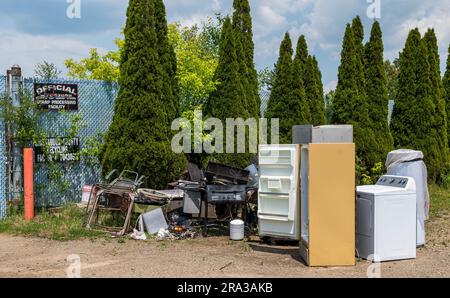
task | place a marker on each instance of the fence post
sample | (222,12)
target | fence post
(14,84)
(28,181)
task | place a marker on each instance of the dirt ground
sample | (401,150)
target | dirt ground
(211,257)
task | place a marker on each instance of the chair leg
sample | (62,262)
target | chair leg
(91,215)
(126,225)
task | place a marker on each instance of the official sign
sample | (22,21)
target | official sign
(58,150)
(56,96)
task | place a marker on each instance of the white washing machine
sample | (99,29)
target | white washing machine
(386,219)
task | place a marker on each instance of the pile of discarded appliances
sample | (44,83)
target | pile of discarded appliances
(307,194)
(198,201)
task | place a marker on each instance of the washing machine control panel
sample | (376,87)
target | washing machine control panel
(394,181)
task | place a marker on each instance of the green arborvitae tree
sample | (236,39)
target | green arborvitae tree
(312,81)
(425,135)
(248,102)
(313,93)
(318,101)
(281,101)
(229,97)
(168,61)
(437,93)
(301,108)
(377,92)
(349,103)
(302,54)
(358,33)
(446,84)
(402,127)
(413,116)
(139,136)
(242,25)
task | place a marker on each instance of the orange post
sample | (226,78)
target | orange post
(28,183)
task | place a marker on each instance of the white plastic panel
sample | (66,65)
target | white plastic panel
(274,205)
(275,185)
(278,204)
(395,225)
(386,224)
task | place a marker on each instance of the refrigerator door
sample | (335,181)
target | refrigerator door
(278,198)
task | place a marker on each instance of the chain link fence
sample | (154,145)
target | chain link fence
(55,188)
(3,195)
(265,96)
(96,107)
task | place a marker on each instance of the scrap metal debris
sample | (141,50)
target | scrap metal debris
(177,213)
(115,197)
(165,234)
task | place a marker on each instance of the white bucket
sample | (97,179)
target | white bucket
(237,230)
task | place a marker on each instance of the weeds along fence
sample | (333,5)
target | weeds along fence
(96,107)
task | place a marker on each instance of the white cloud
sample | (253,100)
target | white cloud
(276,15)
(270,17)
(429,14)
(286,6)
(331,85)
(267,48)
(27,50)
(187,11)
(324,25)
(193,20)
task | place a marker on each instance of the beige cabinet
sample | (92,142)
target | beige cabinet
(327,205)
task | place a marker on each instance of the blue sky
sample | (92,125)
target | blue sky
(37,30)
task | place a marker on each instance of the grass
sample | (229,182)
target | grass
(439,201)
(63,225)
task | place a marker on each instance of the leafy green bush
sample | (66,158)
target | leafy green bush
(371,176)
